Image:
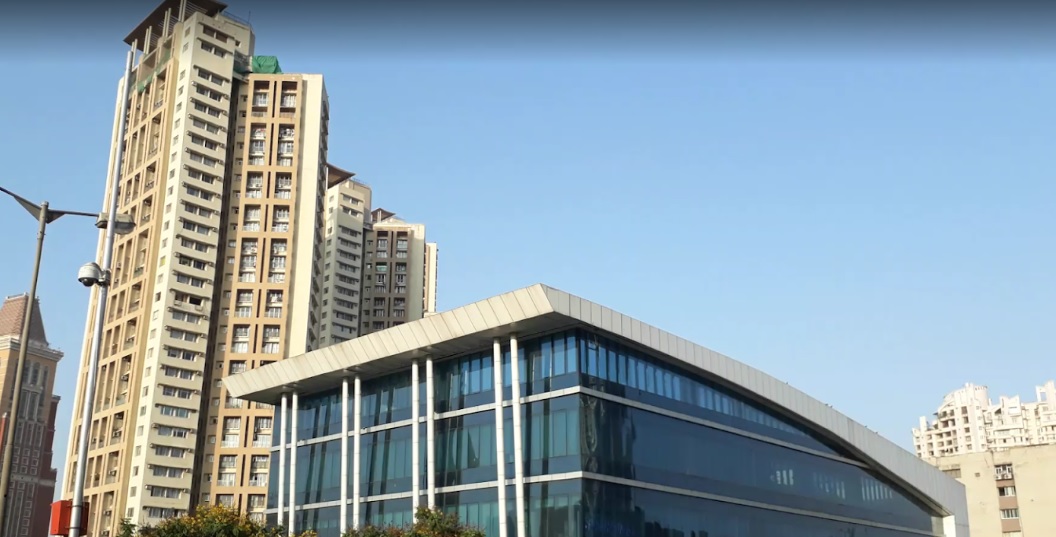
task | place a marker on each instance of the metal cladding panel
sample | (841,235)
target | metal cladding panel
(512,306)
(544,308)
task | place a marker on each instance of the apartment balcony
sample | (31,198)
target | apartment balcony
(226,482)
(263,443)
(234,403)
(258,482)
(230,443)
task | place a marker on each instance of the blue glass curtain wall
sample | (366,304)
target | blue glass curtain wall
(580,432)
(616,368)
(644,446)
(619,511)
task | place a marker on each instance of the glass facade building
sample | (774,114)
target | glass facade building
(585,433)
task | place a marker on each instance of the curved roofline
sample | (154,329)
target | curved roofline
(540,308)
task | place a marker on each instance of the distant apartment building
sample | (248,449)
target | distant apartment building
(32,476)
(969,422)
(249,246)
(1004,454)
(400,277)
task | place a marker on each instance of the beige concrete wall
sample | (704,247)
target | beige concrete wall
(1034,480)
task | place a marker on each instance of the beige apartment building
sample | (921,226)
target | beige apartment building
(1003,453)
(249,248)
(1010,491)
(32,476)
(271,276)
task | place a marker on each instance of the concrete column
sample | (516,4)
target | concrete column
(500,452)
(430,433)
(293,464)
(343,518)
(416,445)
(282,459)
(357,426)
(518,451)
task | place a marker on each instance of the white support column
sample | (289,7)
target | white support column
(416,446)
(293,464)
(282,460)
(357,426)
(518,452)
(500,438)
(430,433)
(343,517)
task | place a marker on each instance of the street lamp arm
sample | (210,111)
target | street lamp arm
(53,214)
(30,207)
(78,213)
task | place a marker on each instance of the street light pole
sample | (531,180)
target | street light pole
(76,509)
(23,347)
(44,216)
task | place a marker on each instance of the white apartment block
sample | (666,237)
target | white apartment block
(347,216)
(969,422)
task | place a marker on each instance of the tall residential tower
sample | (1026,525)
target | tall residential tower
(249,248)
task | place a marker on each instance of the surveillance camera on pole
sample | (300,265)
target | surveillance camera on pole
(90,274)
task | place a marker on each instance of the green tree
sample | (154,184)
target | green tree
(220,521)
(427,523)
(213,521)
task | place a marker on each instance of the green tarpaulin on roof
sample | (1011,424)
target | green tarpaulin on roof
(268,65)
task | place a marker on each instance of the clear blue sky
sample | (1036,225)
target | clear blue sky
(869,220)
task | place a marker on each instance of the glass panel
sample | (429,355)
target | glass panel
(636,444)
(464,382)
(324,521)
(385,462)
(615,510)
(465,449)
(319,415)
(318,472)
(477,508)
(386,399)
(388,513)
(273,480)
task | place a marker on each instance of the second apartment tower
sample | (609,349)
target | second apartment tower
(249,248)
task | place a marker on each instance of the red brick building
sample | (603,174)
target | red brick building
(32,474)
